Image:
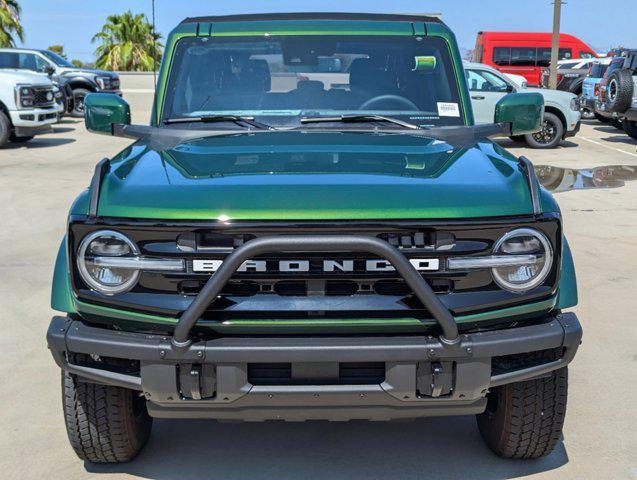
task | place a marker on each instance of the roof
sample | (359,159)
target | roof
(256,17)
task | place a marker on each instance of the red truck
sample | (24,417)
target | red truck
(525,53)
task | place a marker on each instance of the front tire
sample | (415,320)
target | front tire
(551,134)
(617,123)
(630,128)
(525,419)
(5,129)
(78,102)
(104,424)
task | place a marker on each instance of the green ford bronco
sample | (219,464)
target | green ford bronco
(312,227)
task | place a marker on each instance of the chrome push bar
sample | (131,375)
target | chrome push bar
(314,243)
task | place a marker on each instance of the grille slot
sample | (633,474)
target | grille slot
(345,373)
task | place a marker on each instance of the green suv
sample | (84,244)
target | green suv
(312,227)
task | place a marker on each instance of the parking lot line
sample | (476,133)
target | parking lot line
(606,146)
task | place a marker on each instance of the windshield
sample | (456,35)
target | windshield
(283,79)
(57,59)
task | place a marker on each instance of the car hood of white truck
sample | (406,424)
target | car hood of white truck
(8,76)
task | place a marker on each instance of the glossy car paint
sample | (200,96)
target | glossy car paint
(441,181)
(438,181)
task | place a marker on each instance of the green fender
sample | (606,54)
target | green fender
(61,292)
(567,291)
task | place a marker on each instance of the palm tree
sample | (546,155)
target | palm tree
(127,43)
(10,23)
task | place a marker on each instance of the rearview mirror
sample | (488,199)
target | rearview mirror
(522,111)
(103,110)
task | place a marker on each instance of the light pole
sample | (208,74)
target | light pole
(555,47)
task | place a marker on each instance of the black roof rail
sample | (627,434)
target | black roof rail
(255,17)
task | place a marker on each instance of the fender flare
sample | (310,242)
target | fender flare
(567,289)
(61,291)
(81,81)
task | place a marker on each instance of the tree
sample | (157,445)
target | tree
(59,49)
(127,42)
(10,23)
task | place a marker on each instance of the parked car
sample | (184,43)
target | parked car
(570,75)
(616,90)
(82,81)
(620,94)
(561,116)
(27,106)
(270,248)
(590,86)
(519,80)
(525,53)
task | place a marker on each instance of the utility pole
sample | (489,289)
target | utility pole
(555,47)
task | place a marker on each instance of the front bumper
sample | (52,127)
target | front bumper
(588,103)
(38,119)
(424,375)
(574,131)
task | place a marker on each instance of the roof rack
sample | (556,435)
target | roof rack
(255,17)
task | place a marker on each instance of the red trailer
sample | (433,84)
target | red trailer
(525,53)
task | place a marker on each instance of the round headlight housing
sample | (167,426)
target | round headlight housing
(534,246)
(106,279)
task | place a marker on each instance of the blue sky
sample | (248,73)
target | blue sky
(73,23)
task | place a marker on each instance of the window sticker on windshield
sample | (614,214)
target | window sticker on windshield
(424,63)
(448,109)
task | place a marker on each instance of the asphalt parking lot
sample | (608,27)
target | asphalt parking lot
(38,182)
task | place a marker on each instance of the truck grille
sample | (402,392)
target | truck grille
(40,97)
(311,284)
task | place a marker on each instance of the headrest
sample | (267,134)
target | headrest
(370,76)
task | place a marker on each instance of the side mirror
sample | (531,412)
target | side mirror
(49,70)
(523,111)
(103,110)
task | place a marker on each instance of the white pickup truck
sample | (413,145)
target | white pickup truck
(27,106)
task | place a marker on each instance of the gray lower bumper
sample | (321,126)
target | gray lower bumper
(222,389)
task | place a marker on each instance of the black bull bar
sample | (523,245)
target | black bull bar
(314,243)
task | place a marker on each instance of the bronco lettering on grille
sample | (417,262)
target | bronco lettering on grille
(292,266)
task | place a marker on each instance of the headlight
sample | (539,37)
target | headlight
(103,82)
(107,279)
(24,96)
(523,243)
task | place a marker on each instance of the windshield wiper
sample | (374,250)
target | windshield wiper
(236,119)
(360,119)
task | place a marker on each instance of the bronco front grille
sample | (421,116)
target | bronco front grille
(309,284)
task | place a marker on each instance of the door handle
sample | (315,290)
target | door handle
(477,97)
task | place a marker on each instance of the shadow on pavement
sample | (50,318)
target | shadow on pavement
(39,142)
(440,448)
(508,143)
(622,138)
(57,129)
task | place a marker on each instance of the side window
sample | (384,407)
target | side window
(565,54)
(41,64)
(27,62)
(523,56)
(586,55)
(502,55)
(9,60)
(483,81)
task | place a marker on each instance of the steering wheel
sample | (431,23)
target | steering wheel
(382,100)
